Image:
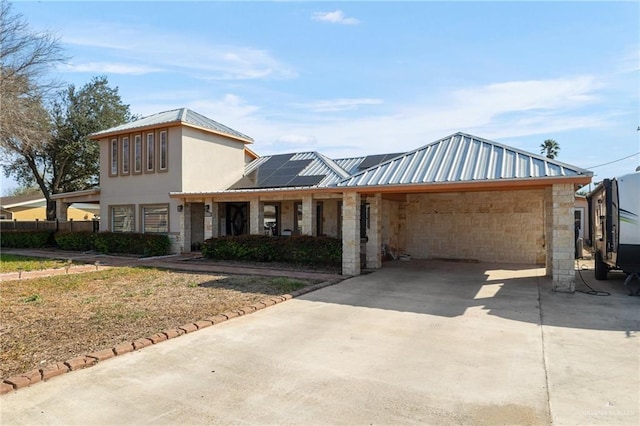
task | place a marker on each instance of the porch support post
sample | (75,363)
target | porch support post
(374,233)
(562,241)
(61,210)
(214,219)
(209,228)
(351,233)
(185,226)
(256,216)
(308,215)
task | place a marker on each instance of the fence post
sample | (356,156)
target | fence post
(70,224)
(37,221)
(15,224)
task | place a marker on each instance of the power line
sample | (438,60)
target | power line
(614,161)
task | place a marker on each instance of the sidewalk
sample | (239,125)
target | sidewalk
(91,261)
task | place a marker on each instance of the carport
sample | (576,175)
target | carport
(470,199)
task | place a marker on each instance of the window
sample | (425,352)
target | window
(114,157)
(155,218)
(125,155)
(163,150)
(272,219)
(122,219)
(137,154)
(151,150)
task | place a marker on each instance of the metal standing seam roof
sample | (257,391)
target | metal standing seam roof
(461,158)
(181,115)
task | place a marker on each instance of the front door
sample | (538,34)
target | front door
(237,218)
(197,226)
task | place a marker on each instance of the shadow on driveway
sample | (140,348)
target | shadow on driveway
(515,292)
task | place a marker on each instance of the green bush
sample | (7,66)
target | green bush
(78,241)
(26,239)
(131,243)
(260,248)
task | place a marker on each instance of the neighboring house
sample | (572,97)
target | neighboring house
(32,207)
(460,197)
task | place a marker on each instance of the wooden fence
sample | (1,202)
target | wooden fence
(50,225)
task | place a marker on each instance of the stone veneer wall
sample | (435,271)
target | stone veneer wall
(489,226)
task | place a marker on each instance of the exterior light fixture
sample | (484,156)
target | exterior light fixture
(180,207)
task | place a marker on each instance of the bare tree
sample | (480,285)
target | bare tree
(26,56)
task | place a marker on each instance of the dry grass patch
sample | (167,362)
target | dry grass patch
(53,319)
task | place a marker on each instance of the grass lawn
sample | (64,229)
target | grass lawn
(53,319)
(15,263)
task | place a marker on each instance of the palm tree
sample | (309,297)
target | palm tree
(550,147)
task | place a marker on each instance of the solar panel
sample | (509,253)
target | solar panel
(279,171)
(374,160)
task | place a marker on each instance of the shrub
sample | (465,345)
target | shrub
(26,239)
(260,248)
(131,243)
(79,241)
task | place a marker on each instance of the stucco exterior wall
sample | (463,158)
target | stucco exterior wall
(210,162)
(489,226)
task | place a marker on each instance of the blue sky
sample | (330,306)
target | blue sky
(356,78)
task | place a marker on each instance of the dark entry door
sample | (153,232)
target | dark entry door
(237,217)
(197,226)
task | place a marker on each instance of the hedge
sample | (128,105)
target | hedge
(132,243)
(260,248)
(26,239)
(77,241)
(104,242)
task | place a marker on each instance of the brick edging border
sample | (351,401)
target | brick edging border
(55,369)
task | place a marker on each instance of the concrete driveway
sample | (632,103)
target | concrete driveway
(417,342)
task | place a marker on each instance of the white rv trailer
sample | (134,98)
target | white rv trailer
(614,225)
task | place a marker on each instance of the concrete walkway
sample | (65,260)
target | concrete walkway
(84,262)
(414,343)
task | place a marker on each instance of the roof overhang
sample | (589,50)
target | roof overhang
(176,123)
(85,196)
(484,185)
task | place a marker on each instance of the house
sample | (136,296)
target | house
(460,197)
(34,207)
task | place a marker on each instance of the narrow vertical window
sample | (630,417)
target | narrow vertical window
(137,154)
(114,156)
(163,150)
(125,155)
(151,150)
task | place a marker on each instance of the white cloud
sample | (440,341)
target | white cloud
(167,51)
(342,104)
(335,17)
(498,110)
(109,68)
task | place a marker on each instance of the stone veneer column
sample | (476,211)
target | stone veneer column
(308,216)
(209,223)
(256,217)
(563,244)
(548,231)
(215,220)
(351,233)
(61,210)
(185,227)
(374,233)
